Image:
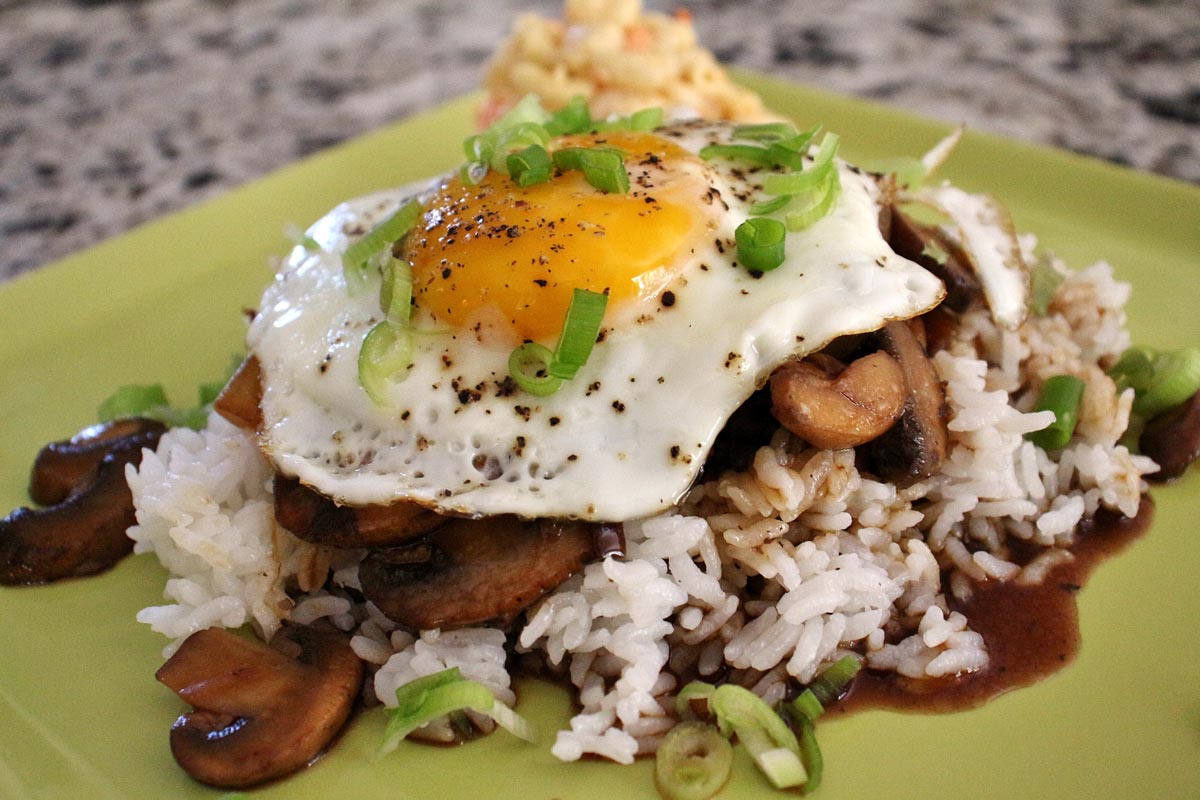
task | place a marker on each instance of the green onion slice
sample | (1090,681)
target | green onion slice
(385,358)
(132,401)
(834,680)
(530,166)
(695,694)
(1061,394)
(580,330)
(646,120)
(820,204)
(807,705)
(572,118)
(768,132)
(357,255)
(423,700)
(395,294)
(737,152)
(1176,378)
(693,762)
(770,206)
(1135,368)
(810,754)
(1044,281)
(529,366)
(518,137)
(760,243)
(796,182)
(604,169)
(766,736)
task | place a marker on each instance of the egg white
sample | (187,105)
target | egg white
(626,437)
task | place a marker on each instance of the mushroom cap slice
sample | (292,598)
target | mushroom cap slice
(240,401)
(259,713)
(472,571)
(837,411)
(315,518)
(62,467)
(83,534)
(1172,439)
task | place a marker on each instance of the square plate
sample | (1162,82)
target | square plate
(83,717)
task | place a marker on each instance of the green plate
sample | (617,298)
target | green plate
(82,717)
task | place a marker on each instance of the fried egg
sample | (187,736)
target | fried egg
(687,336)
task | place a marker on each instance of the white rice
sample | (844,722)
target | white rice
(840,562)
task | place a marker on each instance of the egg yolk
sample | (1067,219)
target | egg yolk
(505,260)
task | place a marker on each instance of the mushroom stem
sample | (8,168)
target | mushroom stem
(913,448)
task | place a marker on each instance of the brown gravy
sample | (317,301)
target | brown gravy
(1031,632)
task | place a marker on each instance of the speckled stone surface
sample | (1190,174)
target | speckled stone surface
(114,113)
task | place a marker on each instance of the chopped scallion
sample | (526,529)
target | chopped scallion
(760,243)
(376,240)
(768,132)
(423,700)
(1044,281)
(572,118)
(691,701)
(770,206)
(693,762)
(132,401)
(766,736)
(580,329)
(395,293)
(541,371)
(737,152)
(1176,378)
(646,120)
(529,365)
(604,169)
(810,754)
(1061,394)
(807,705)
(820,204)
(834,680)
(384,358)
(530,166)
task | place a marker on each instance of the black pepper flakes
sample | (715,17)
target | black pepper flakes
(668,298)
(618,406)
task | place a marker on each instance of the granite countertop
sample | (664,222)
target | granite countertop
(114,113)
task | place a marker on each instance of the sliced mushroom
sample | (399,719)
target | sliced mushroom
(61,467)
(240,401)
(833,408)
(1173,439)
(913,448)
(918,243)
(83,534)
(260,714)
(472,571)
(315,518)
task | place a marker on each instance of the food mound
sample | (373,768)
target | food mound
(751,472)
